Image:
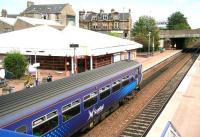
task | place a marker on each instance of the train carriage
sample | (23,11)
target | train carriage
(63,107)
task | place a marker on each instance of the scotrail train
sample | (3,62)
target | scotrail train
(65,106)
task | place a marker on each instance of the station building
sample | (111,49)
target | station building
(52,48)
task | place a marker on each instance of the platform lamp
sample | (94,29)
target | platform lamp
(149,44)
(35,54)
(74,64)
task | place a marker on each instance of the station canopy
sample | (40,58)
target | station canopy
(47,41)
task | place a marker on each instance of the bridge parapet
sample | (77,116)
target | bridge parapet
(179,33)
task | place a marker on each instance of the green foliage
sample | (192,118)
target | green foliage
(141,29)
(177,21)
(15,63)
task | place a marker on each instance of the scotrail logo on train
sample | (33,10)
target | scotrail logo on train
(95,111)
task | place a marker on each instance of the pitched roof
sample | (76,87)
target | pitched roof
(95,43)
(57,43)
(35,21)
(10,21)
(49,8)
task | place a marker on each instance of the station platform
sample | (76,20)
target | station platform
(183,109)
(148,62)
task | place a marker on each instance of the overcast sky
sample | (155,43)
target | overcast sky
(159,9)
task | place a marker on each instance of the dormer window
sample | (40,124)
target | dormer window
(94,17)
(116,17)
(105,16)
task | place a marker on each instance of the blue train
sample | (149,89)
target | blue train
(63,107)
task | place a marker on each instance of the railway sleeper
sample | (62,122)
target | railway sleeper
(138,123)
(146,118)
(151,110)
(137,127)
(143,121)
(133,130)
(147,115)
(131,134)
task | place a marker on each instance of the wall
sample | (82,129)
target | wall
(4,27)
(20,24)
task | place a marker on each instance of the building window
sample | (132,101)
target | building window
(94,25)
(105,26)
(94,18)
(7,29)
(116,25)
(105,16)
(116,17)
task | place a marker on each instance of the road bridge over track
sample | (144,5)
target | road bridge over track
(179,33)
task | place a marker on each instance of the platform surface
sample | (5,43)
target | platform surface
(183,109)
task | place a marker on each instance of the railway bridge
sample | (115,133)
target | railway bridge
(179,33)
(177,36)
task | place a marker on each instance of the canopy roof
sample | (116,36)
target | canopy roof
(96,43)
(53,42)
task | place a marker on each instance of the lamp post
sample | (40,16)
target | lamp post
(153,46)
(36,65)
(149,44)
(74,59)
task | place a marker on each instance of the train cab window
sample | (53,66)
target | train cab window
(131,79)
(70,110)
(90,100)
(125,81)
(22,129)
(104,92)
(44,124)
(116,86)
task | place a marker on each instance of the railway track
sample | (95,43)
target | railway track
(140,126)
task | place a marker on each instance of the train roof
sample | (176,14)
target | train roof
(27,97)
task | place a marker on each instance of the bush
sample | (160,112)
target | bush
(15,63)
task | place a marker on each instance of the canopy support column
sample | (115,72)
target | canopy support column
(91,62)
(72,65)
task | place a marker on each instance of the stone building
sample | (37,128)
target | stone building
(6,24)
(62,13)
(106,22)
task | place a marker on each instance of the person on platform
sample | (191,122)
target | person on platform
(49,78)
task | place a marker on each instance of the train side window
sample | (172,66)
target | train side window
(70,110)
(116,86)
(90,100)
(125,81)
(22,129)
(45,123)
(104,92)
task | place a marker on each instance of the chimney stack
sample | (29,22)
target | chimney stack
(29,4)
(4,13)
(112,10)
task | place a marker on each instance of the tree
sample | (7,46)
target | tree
(177,21)
(141,29)
(15,63)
